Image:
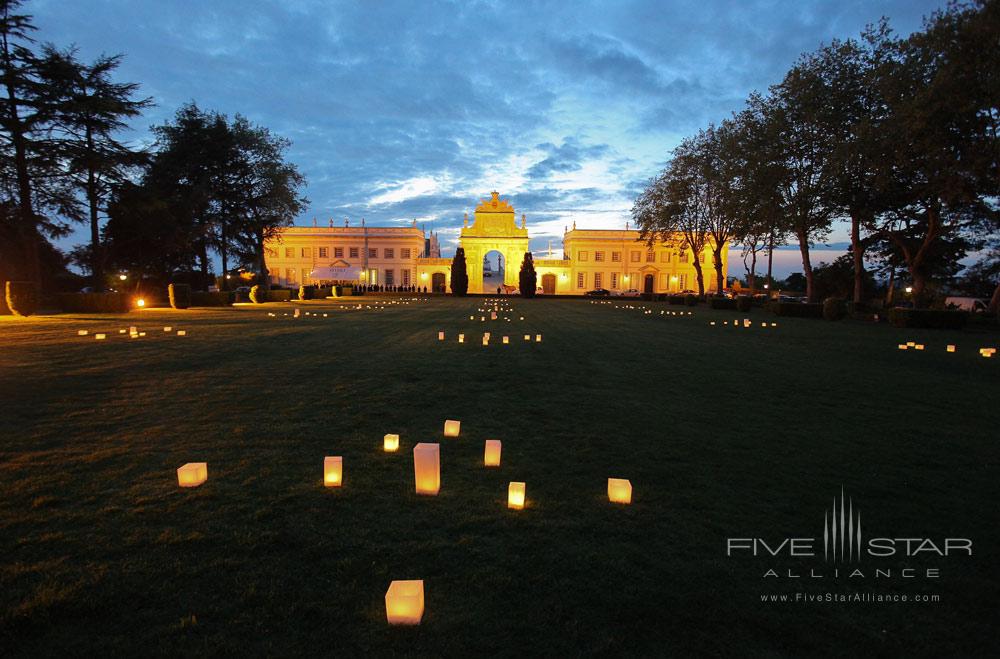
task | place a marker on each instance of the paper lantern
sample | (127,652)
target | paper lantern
(506,339)
(515,496)
(181,333)
(99,337)
(619,490)
(919,346)
(493,315)
(81,333)
(333,471)
(902,346)
(486,340)
(121,331)
(910,344)
(527,337)
(461,338)
(133,330)
(774,324)
(404,602)
(538,338)
(427,468)
(192,474)
(390,443)
(492,455)
(950,348)
(142,334)
(712,323)
(452,428)
(440,336)
(167,328)
(472,317)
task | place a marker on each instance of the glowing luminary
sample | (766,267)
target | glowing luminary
(538,338)
(192,474)
(167,328)
(950,348)
(515,496)
(142,334)
(404,602)
(452,428)
(472,317)
(461,338)
(919,346)
(390,443)
(493,315)
(333,471)
(712,323)
(492,454)
(121,331)
(774,324)
(440,336)
(486,340)
(181,333)
(763,324)
(619,490)
(910,343)
(133,330)
(522,317)
(527,337)
(99,337)
(506,339)
(81,333)
(427,468)
(902,346)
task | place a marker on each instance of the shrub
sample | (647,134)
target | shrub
(307,292)
(94,302)
(834,308)
(928,318)
(527,278)
(744,303)
(716,302)
(21,297)
(676,300)
(459,274)
(797,309)
(278,295)
(180,295)
(349,290)
(322,292)
(212,298)
(258,294)
(691,299)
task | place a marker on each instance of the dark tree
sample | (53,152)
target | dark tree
(459,274)
(527,278)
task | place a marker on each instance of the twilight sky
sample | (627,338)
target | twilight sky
(415,109)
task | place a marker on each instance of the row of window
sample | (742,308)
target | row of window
(636,256)
(353,252)
(293,276)
(616,280)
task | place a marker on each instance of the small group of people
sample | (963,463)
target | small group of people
(390,288)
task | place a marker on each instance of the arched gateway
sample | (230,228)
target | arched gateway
(493,228)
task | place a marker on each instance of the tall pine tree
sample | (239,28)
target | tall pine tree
(459,274)
(527,278)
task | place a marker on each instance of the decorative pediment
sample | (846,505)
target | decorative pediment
(494,205)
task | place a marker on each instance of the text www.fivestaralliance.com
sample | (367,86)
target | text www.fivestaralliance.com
(847,598)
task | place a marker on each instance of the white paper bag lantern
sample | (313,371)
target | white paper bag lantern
(538,338)
(440,336)
(81,333)
(390,443)
(951,348)
(192,474)
(181,333)
(333,471)
(452,428)
(491,457)
(461,338)
(515,495)
(506,339)
(527,337)
(99,337)
(619,490)
(404,602)
(427,468)
(167,328)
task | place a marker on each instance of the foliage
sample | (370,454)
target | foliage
(834,308)
(179,296)
(720,302)
(94,302)
(527,278)
(691,299)
(744,303)
(306,292)
(459,274)
(928,318)
(259,294)
(797,309)
(212,298)
(21,297)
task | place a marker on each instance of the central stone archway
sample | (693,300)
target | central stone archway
(493,229)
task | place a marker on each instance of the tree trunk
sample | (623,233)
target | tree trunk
(699,276)
(770,261)
(753,272)
(96,257)
(806,265)
(859,264)
(26,213)
(891,287)
(717,262)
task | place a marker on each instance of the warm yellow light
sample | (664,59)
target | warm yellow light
(123,276)
(99,337)
(461,338)
(951,348)
(515,496)
(506,339)
(911,344)
(673,278)
(192,474)
(903,346)
(909,289)
(167,328)
(81,332)
(427,468)
(140,302)
(492,454)
(538,338)
(919,346)
(452,428)
(527,337)
(181,333)
(423,275)
(440,336)
(619,490)
(625,277)
(390,443)
(404,602)
(333,471)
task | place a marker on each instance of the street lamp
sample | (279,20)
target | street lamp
(123,276)
(909,289)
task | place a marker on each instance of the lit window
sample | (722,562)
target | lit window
(305,275)
(614,280)
(353,251)
(598,256)
(650,256)
(338,252)
(665,256)
(324,252)
(636,256)
(290,275)
(616,257)
(701,257)
(373,253)
(580,280)
(406,277)
(598,278)
(389,279)
(581,256)
(306,253)
(683,257)
(404,253)
(289,252)
(388,253)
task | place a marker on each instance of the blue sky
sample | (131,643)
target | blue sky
(414,110)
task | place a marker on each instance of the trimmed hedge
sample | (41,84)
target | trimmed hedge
(277,296)
(21,297)
(258,294)
(744,303)
(716,302)
(179,295)
(691,299)
(94,302)
(306,292)
(928,318)
(676,300)
(212,298)
(834,308)
(797,309)
(4,309)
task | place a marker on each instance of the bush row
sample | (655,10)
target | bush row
(797,309)
(94,302)
(928,318)
(21,297)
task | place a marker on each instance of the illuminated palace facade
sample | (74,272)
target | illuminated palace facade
(403,256)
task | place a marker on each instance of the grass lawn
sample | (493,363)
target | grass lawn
(724,432)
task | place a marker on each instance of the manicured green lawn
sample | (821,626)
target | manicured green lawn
(723,432)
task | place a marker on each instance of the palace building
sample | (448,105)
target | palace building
(402,256)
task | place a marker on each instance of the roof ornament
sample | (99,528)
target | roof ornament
(314,223)
(522,220)
(331,222)
(414,223)
(466,225)
(347,222)
(574,225)
(496,199)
